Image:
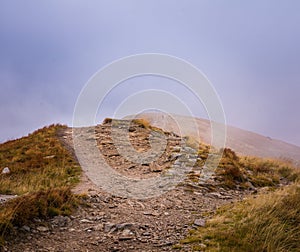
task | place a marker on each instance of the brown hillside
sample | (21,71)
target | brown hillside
(241,141)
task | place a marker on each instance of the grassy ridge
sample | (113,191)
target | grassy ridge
(37,162)
(42,173)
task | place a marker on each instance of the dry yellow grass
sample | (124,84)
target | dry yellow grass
(234,170)
(269,222)
(42,172)
(142,122)
(38,161)
(265,222)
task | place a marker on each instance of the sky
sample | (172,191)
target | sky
(249,51)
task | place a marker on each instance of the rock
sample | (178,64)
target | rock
(192,161)
(29,237)
(98,227)
(227,197)
(50,157)
(165,244)
(197,173)
(95,243)
(177,149)
(178,162)
(250,186)
(26,228)
(175,156)
(42,229)
(189,150)
(108,227)
(202,245)
(4,198)
(112,227)
(264,189)
(86,221)
(151,213)
(200,222)
(61,221)
(126,235)
(155,168)
(216,195)
(123,226)
(6,170)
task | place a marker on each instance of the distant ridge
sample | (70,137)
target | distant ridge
(242,141)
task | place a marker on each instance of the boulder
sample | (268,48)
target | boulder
(6,170)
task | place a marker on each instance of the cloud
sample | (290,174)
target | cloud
(249,50)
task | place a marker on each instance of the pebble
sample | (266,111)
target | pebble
(86,221)
(61,221)
(26,228)
(126,235)
(42,229)
(151,213)
(200,222)
(6,170)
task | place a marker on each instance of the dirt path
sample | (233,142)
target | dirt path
(109,223)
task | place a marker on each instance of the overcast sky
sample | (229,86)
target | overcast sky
(249,50)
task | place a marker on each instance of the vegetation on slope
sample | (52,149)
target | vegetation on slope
(267,222)
(235,172)
(42,172)
(264,222)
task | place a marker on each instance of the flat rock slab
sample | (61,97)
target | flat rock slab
(4,197)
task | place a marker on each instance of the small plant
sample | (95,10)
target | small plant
(142,123)
(107,120)
(230,170)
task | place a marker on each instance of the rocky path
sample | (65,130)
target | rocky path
(110,223)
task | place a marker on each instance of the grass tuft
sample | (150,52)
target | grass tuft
(107,120)
(42,204)
(142,123)
(243,172)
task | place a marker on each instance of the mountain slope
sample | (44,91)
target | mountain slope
(241,141)
(104,221)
